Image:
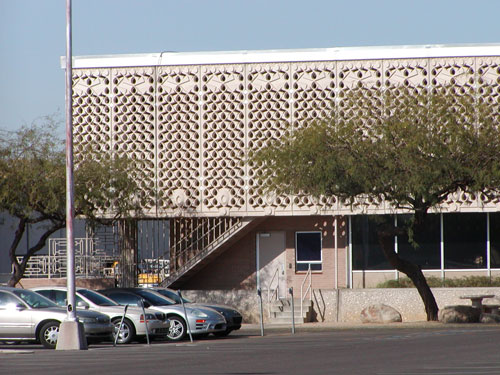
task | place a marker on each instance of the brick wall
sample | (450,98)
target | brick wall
(236,267)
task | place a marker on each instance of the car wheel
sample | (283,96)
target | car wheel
(127,331)
(223,333)
(177,329)
(49,334)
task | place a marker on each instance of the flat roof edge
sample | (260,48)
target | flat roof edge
(277,56)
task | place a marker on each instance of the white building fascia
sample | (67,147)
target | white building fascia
(286,55)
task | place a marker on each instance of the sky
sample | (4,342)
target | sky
(33,36)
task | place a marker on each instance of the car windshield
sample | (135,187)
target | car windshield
(97,298)
(33,299)
(172,295)
(155,299)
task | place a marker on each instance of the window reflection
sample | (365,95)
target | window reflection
(366,251)
(427,252)
(464,240)
(308,251)
(495,239)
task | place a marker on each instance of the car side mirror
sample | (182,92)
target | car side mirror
(15,306)
(82,305)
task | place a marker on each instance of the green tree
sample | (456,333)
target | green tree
(410,149)
(33,186)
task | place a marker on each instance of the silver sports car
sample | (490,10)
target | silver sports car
(233,316)
(201,320)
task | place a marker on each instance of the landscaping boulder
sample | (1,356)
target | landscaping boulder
(380,313)
(459,314)
(490,318)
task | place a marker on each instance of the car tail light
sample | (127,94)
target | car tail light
(201,320)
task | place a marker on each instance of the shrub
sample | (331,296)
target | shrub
(436,282)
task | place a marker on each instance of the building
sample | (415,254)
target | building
(188,120)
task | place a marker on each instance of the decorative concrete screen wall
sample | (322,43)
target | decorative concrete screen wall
(189,119)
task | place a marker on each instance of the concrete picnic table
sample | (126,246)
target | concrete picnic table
(477,300)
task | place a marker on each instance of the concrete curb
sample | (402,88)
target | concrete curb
(254,329)
(16,351)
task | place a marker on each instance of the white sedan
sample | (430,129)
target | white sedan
(133,327)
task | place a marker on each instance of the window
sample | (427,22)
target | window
(7,301)
(61,298)
(308,251)
(33,299)
(464,240)
(427,253)
(495,239)
(124,298)
(155,299)
(97,298)
(366,251)
(47,294)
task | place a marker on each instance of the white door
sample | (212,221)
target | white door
(271,263)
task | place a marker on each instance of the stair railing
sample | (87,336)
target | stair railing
(309,289)
(201,237)
(272,293)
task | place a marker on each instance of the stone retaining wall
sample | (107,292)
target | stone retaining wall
(330,305)
(345,305)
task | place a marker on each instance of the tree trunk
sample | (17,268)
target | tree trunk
(17,274)
(386,240)
(20,267)
(128,250)
(18,270)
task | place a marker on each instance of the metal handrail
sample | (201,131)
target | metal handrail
(204,234)
(209,241)
(309,289)
(269,285)
(204,240)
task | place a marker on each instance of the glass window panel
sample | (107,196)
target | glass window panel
(124,298)
(60,297)
(464,240)
(308,251)
(308,246)
(305,266)
(7,300)
(97,298)
(495,239)
(33,299)
(427,254)
(366,251)
(47,294)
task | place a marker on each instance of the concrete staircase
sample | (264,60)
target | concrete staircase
(281,311)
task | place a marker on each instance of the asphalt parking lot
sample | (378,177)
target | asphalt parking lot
(434,349)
